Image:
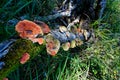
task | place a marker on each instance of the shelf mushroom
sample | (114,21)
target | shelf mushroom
(25,57)
(28,29)
(52,45)
(45,28)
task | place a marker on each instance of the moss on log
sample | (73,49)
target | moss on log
(12,59)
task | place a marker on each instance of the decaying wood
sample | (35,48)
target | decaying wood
(70,13)
(52,17)
(76,8)
(5,46)
(2,64)
(73,11)
(62,35)
(103,5)
(99,10)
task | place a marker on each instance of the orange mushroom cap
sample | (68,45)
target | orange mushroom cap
(25,58)
(44,26)
(52,52)
(52,47)
(27,29)
(5,78)
(39,40)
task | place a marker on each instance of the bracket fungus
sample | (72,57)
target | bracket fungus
(39,40)
(66,46)
(5,79)
(28,29)
(73,44)
(52,45)
(45,28)
(25,57)
(39,31)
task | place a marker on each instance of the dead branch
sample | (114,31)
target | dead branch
(52,17)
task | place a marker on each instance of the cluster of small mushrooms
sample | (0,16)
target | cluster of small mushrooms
(39,32)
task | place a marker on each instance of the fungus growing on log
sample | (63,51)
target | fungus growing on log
(43,26)
(28,29)
(73,37)
(52,45)
(39,40)
(73,44)
(79,42)
(5,79)
(66,46)
(25,57)
(63,29)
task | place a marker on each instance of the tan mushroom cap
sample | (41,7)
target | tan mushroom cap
(51,48)
(66,46)
(52,45)
(28,29)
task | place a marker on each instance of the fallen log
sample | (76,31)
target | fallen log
(71,12)
(12,60)
(12,50)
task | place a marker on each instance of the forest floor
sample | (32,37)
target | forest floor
(95,61)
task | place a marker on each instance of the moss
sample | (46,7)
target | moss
(12,60)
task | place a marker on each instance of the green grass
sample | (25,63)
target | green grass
(96,61)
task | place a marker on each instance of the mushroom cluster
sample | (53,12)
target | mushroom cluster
(31,30)
(38,31)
